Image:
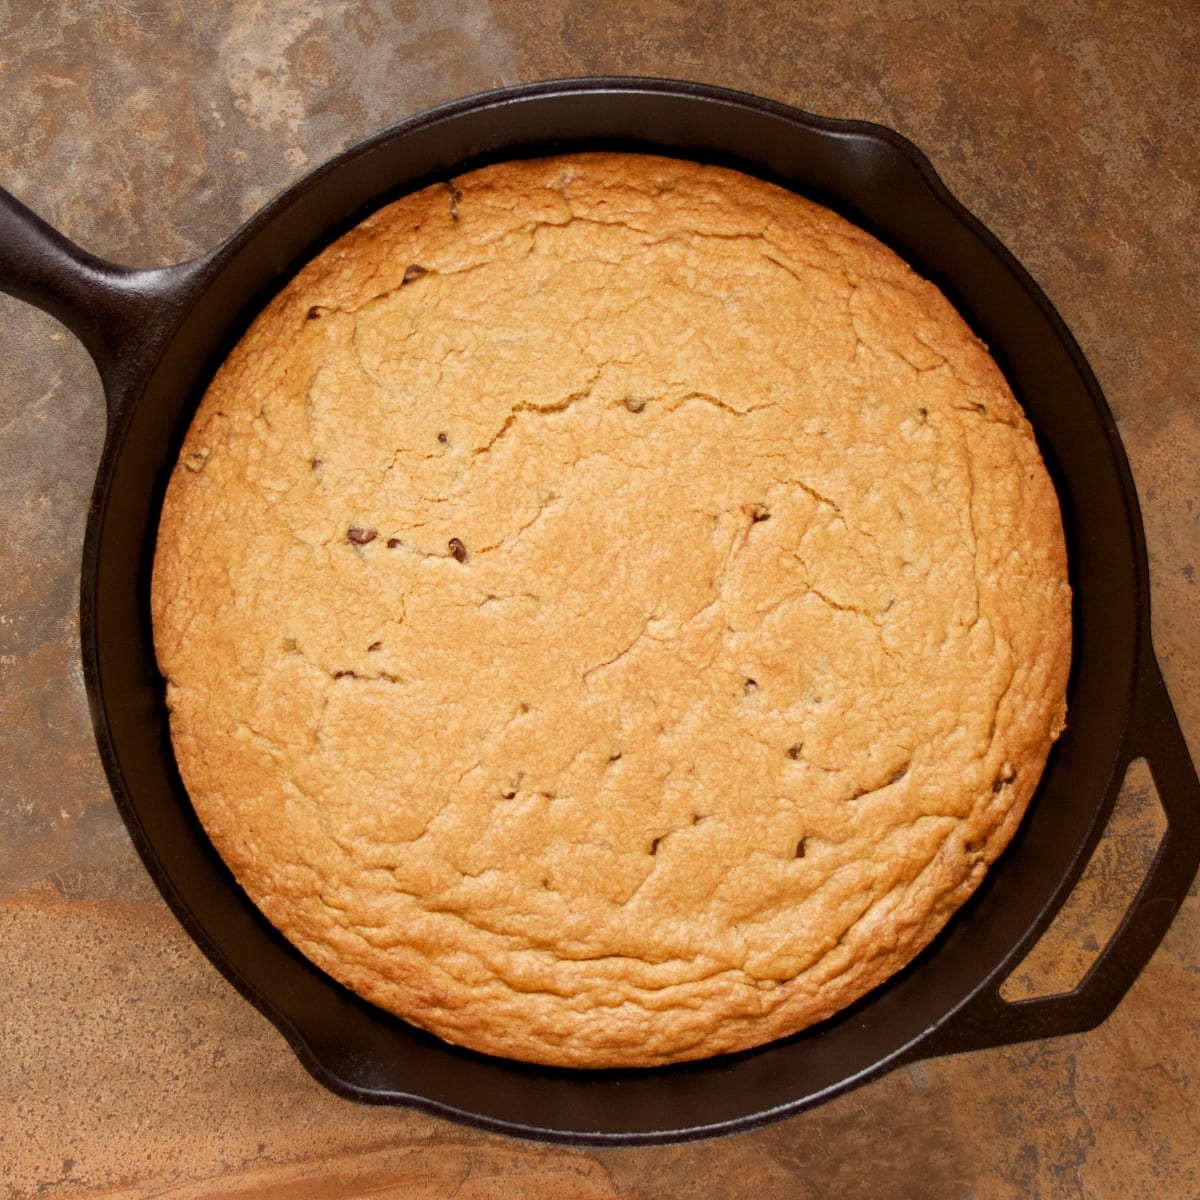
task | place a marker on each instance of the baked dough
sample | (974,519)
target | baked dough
(613,612)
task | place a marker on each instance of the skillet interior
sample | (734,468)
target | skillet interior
(876,179)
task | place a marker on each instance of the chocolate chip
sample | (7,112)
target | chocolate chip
(394,543)
(1007,776)
(750,686)
(374,646)
(759,512)
(458,549)
(413,272)
(654,845)
(922,413)
(443,438)
(315,312)
(635,404)
(800,847)
(795,750)
(359,536)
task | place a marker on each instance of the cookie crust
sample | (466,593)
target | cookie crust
(613,611)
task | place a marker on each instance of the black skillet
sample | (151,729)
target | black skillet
(156,337)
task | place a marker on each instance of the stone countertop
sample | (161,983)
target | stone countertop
(148,131)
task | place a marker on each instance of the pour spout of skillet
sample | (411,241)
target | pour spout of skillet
(122,315)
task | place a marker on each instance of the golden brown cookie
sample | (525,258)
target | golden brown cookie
(613,611)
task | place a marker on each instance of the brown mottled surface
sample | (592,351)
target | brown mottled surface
(148,132)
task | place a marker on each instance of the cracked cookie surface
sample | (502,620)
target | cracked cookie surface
(613,611)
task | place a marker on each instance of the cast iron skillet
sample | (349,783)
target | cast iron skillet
(156,337)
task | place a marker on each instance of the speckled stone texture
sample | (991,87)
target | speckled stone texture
(148,131)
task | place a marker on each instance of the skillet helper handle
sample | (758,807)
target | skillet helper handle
(120,314)
(989,1020)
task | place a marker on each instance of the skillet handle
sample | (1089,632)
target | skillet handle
(987,1019)
(122,315)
